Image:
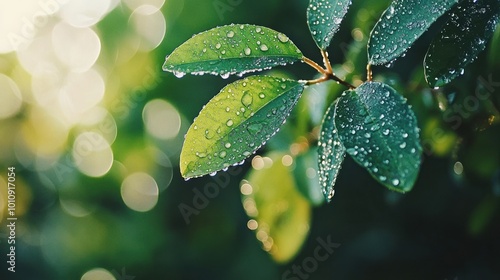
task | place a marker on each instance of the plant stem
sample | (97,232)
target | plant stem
(369,73)
(327,73)
(326,62)
(314,65)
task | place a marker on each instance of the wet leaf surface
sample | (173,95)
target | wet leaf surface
(324,18)
(471,25)
(401,25)
(237,122)
(331,154)
(232,49)
(379,130)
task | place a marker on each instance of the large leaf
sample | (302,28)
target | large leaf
(232,49)
(379,130)
(331,153)
(470,27)
(324,18)
(401,25)
(280,214)
(236,122)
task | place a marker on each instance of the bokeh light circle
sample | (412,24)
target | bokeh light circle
(140,192)
(84,13)
(150,26)
(92,154)
(77,48)
(161,119)
(98,274)
(10,97)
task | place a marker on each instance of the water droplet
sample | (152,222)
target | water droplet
(222,154)
(382,178)
(227,145)
(402,145)
(262,95)
(230,34)
(248,51)
(395,182)
(229,123)
(264,48)
(209,134)
(201,155)
(386,132)
(283,38)
(179,74)
(218,46)
(247,99)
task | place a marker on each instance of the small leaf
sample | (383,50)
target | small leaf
(232,49)
(331,153)
(237,122)
(379,130)
(280,215)
(401,25)
(324,18)
(470,27)
(306,176)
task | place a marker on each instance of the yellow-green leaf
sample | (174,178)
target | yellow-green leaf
(237,122)
(280,215)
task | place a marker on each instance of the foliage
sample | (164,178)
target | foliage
(371,121)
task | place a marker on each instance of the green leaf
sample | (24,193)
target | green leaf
(379,130)
(331,153)
(306,176)
(280,215)
(401,25)
(232,49)
(324,18)
(471,25)
(237,122)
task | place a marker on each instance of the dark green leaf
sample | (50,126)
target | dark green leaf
(470,27)
(401,25)
(281,215)
(379,130)
(331,153)
(232,49)
(236,122)
(324,18)
(306,176)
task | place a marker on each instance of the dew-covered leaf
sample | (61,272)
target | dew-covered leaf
(306,176)
(401,25)
(236,122)
(280,215)
(324,18)
(379,130)
(232,49)
(471,25)
(331,153)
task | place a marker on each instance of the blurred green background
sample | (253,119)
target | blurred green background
(94,129)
